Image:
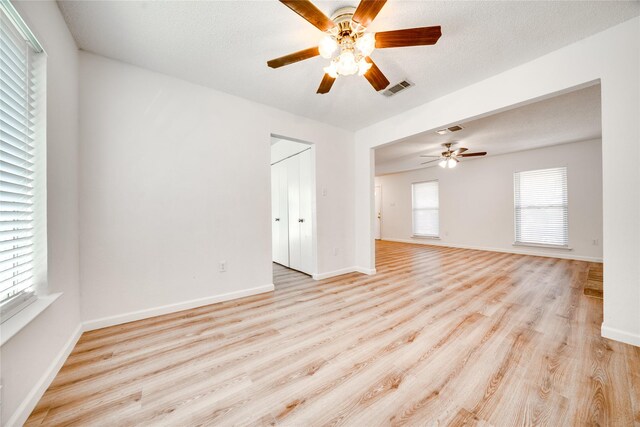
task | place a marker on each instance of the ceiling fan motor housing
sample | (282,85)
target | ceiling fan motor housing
(344,14)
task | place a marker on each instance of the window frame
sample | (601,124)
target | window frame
(413,209)
(565,208)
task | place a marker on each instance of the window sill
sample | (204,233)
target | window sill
(10,327)
(418,236)
(538,245)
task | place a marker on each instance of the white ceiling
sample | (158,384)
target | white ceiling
(572,117)
(225,45)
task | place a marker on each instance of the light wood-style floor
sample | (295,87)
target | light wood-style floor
(439,336)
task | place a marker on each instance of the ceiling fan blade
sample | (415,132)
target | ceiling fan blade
(473,154)
(308,11)
(325,84)
(294,57)
(430,161)
(367,11)
(375,76)
(460,151)
(409,37)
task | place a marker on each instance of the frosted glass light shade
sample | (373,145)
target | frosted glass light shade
(327,46)
(347,63)
(331,70)
(366,43)
(363,67)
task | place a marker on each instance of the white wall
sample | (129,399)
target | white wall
(176,177)
(29,359)
(476,200)
(613,56)
(283,148)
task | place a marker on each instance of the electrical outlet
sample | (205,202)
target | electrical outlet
(595,242)
(335,251)
(324,192)
(222,267)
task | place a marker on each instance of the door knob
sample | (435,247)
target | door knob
(301,220)
(277,219)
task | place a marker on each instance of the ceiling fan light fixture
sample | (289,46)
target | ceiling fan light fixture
(443,163)
(331,70)
(346,64)
(347,44)
(366,43)
(327,47)
(363,67)
(451,163)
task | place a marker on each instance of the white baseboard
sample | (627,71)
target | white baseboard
(367,271)
(340,272)
(533,252)
(619,335)
(328,274)
(31,400)
(172,308)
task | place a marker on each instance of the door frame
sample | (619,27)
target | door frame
(314,216)
(377,235)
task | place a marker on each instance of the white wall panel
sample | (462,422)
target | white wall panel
(183,182)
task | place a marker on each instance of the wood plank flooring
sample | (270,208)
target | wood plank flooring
(440,336)
(595,280)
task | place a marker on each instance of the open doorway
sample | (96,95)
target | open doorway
(292,207)
(527,180)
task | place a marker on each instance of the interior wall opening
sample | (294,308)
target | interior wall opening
(525,180)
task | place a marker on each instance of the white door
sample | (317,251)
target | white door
(284,215)
(293,178)
(378,212)
(275,212)
(279,214)
(305,212)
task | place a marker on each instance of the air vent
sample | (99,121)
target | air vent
(451,129)
(397,88)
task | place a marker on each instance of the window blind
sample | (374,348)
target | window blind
(541,207)
(425,202)
(17,161)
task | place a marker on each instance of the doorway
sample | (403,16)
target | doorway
(292,205)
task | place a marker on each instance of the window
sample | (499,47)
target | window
(425,202)
(541,207)
(21,84)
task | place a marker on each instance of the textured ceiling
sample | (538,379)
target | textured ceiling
(572,117)
(225,45)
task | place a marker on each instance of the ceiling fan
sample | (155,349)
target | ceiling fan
(349,45)
(451,158)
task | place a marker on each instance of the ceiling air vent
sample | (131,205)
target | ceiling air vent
(445,131)
(397,88)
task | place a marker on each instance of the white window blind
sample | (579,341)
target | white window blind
(17,164)
(541,207)
(425,202)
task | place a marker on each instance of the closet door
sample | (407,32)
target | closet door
(283,224)
(279,214)
(275,212)
(293,177)
(305,212)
